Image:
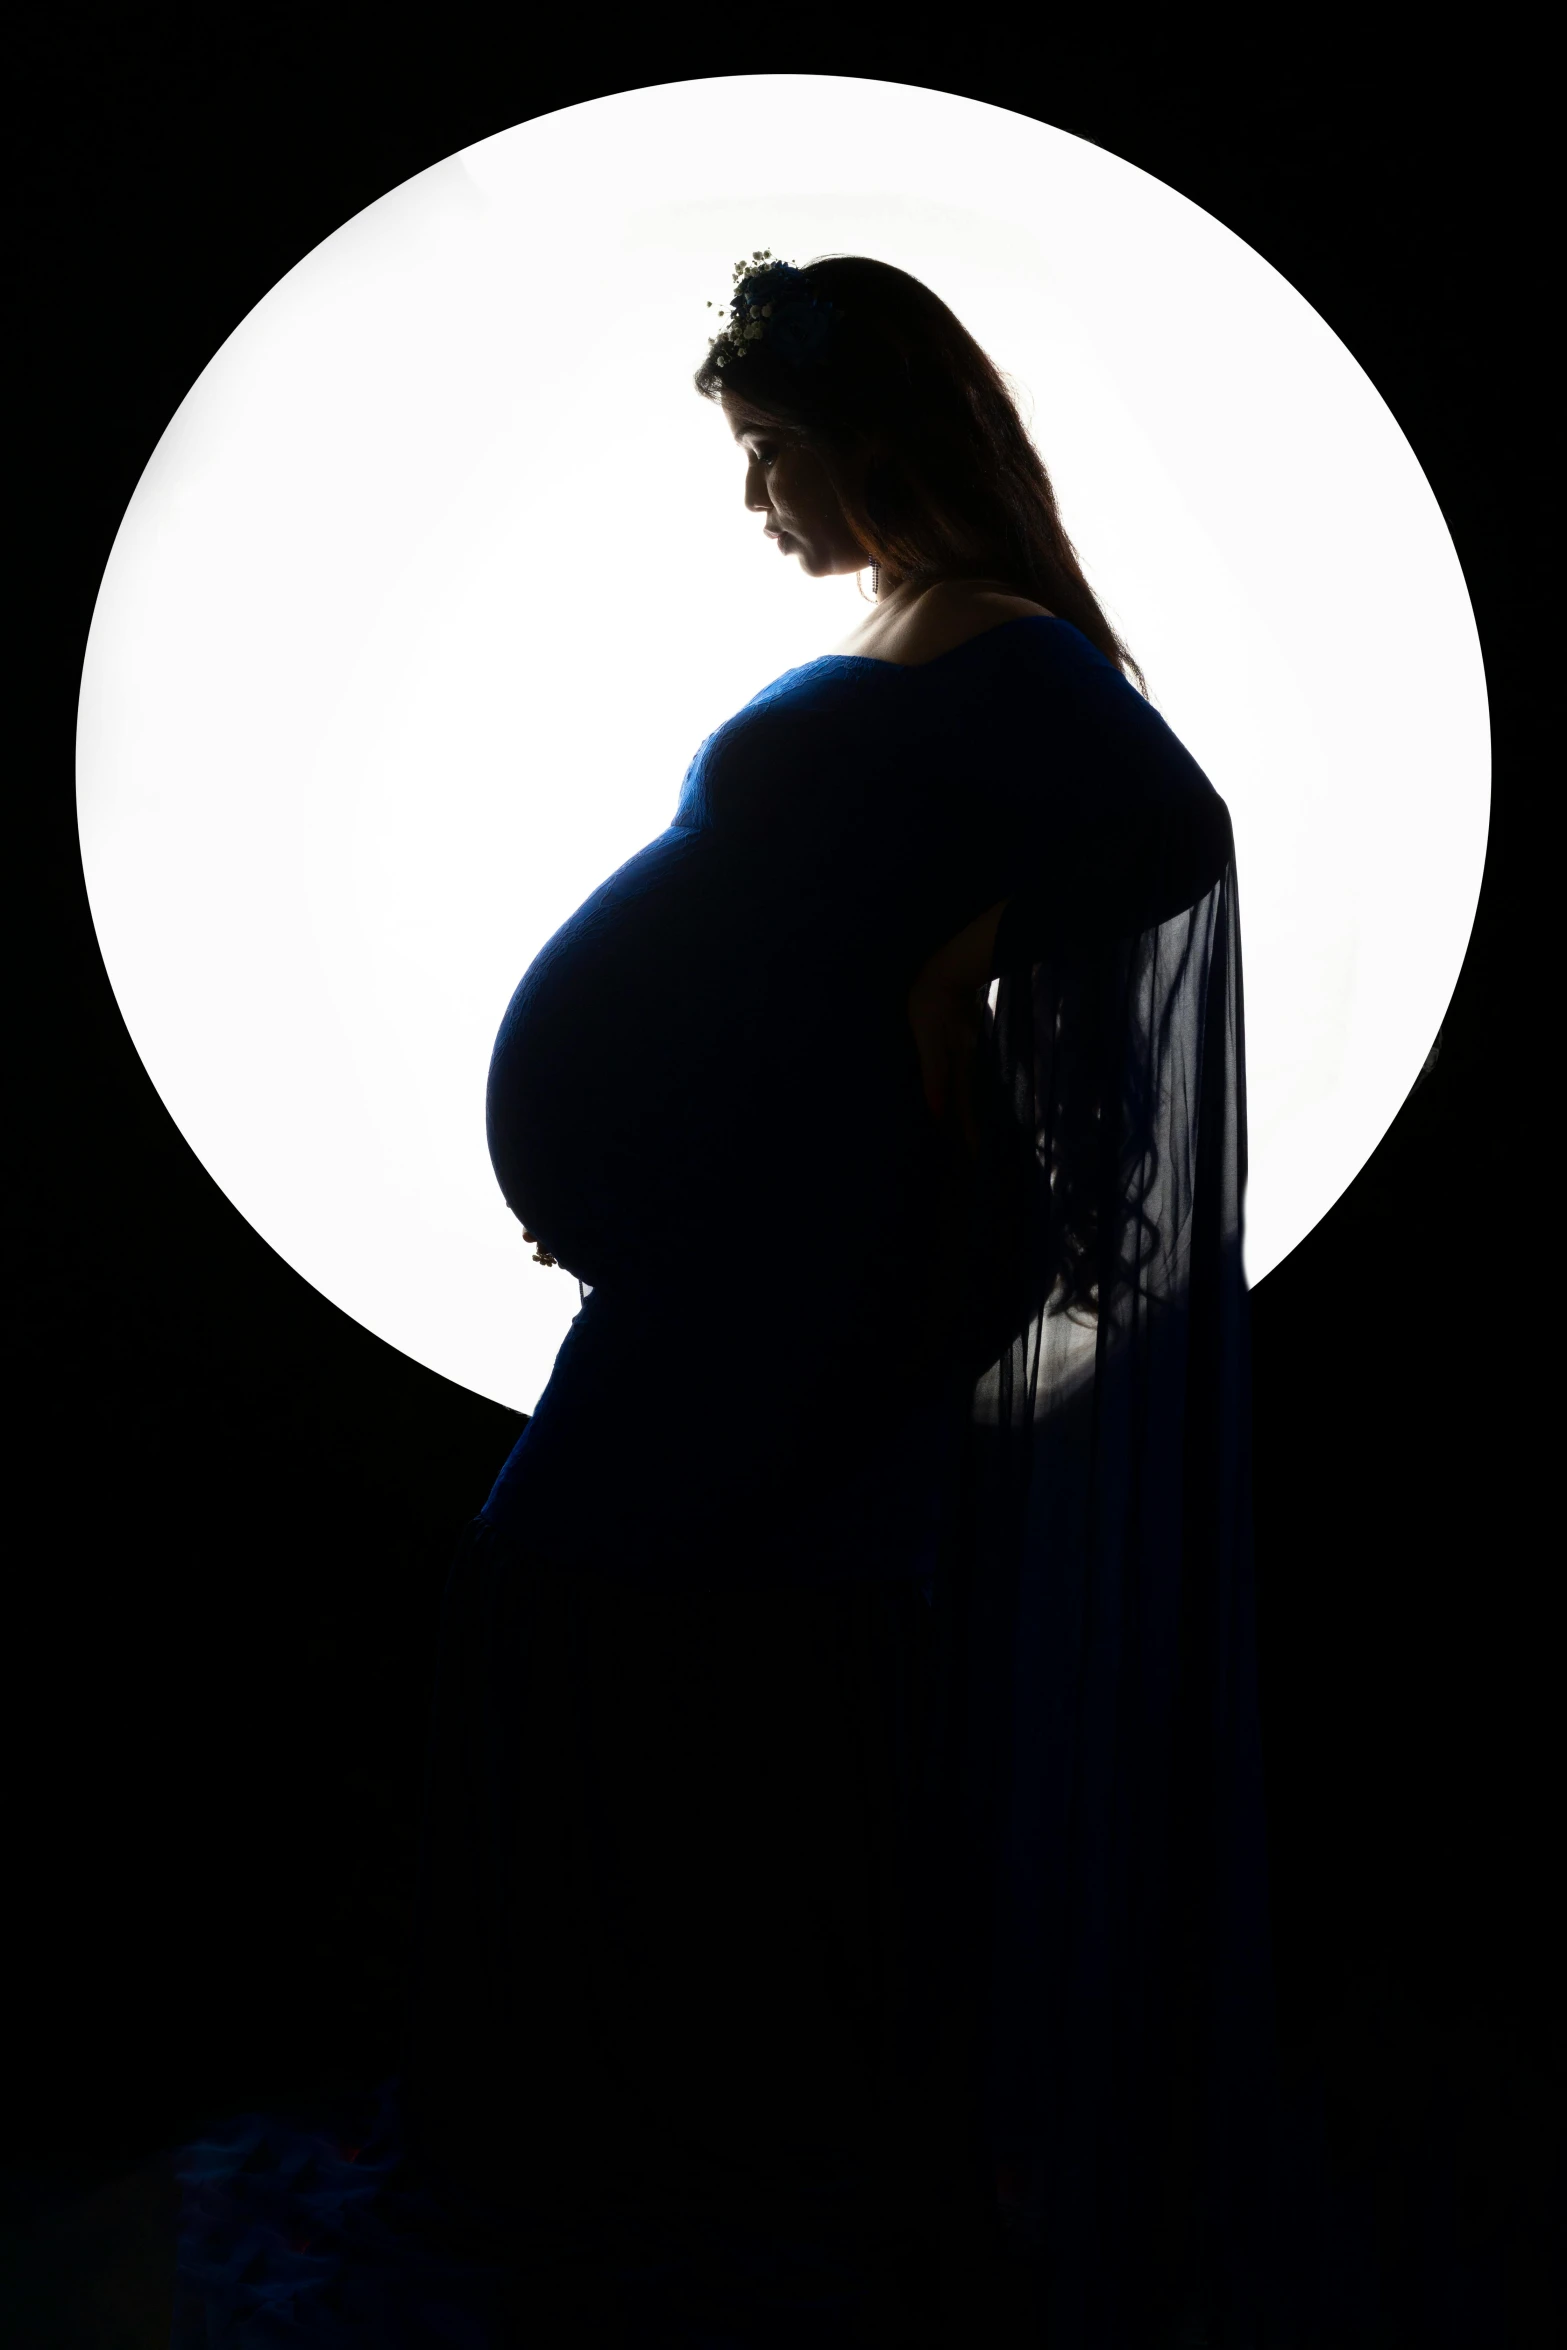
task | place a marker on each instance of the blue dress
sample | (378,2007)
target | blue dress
(843,1884)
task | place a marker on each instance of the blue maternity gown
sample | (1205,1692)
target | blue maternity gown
(843,1808)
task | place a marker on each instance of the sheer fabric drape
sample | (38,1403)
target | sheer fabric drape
(1098,1758)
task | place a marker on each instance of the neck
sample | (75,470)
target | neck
(892,598)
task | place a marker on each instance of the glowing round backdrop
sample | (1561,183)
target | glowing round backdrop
(441,572)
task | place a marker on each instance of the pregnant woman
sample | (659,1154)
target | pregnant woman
(842,1910)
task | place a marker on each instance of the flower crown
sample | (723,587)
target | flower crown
(771,297)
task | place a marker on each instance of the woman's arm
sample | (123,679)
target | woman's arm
(964,962)
(945,1007)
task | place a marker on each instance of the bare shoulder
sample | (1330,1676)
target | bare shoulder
(980,599)
(952,612)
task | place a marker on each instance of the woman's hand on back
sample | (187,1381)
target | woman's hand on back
(946,1015)
(946,1024)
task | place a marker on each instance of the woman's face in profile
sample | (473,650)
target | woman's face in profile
(790,488)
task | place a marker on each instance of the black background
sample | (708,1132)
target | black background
(215,1720)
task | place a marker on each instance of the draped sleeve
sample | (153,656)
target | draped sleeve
(1099,1752)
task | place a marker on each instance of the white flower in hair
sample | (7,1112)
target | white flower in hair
(797,323)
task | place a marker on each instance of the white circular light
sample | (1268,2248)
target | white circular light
(440,573)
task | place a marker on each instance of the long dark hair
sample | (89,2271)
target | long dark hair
(920,436)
